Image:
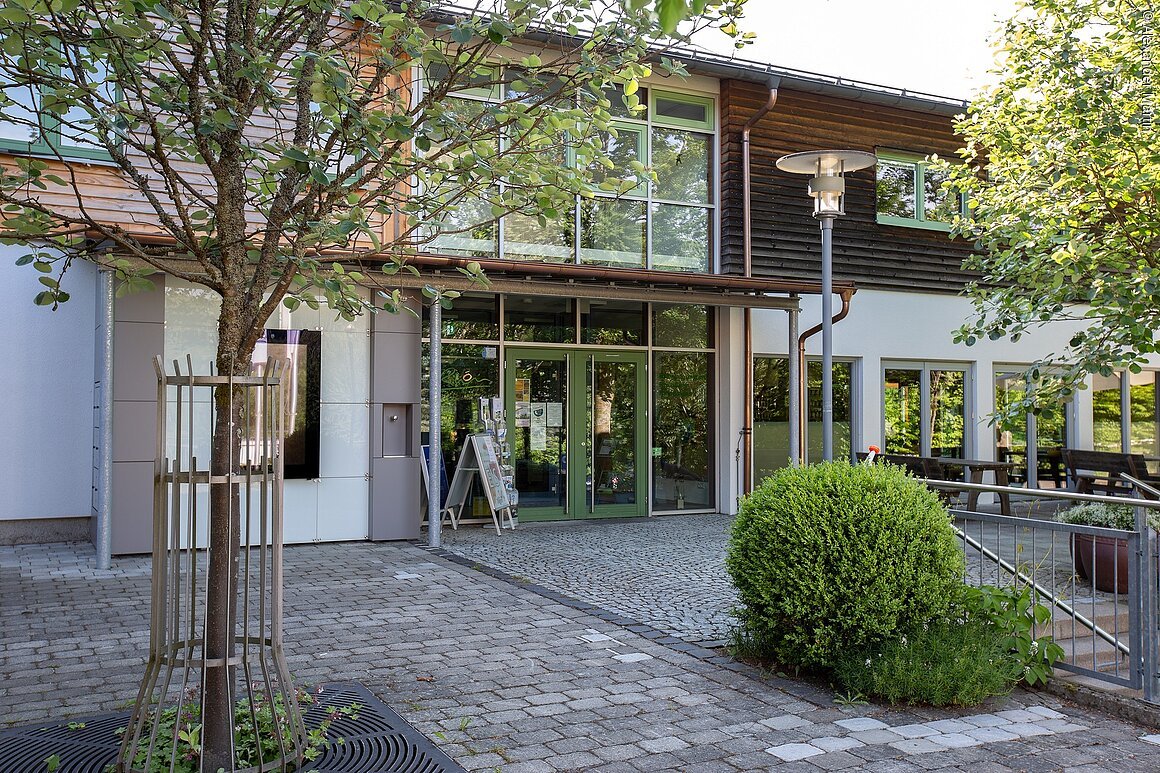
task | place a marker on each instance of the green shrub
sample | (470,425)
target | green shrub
(1013,614)
(834,556)
(947,663)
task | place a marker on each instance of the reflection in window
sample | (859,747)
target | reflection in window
(681,162)
(613,323)
(466,225)
(471,316)
(682,325)
(1106,413)
(680,238)
(896,187)
(948,409)
(1025,436)
(910,192)
(303,348)
(526,239)
(540,319)
(902,406)
(469,373)
(612,232)
(771,413)
(681,446)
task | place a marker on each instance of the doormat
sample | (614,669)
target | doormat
(379,741)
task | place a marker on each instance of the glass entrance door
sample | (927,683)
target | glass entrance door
(578,427)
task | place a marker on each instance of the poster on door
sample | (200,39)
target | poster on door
(555,416)
(539,427)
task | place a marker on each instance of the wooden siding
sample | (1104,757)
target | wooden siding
(786,241)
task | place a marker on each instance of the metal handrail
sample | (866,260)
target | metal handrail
(1141,484)
(1050,493)
(983,550)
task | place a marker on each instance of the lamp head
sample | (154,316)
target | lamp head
(827,187)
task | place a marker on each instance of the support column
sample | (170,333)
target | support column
(795,380)
(396,370)
(138,337)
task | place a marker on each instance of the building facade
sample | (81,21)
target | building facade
(621,339)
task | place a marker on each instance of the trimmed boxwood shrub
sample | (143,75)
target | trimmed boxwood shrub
(832,557)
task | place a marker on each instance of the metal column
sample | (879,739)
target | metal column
(434,424)
(104,541)
(827,224)
(795,403)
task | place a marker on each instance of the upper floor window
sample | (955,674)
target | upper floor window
(910,193)
(28,124)
(666,225)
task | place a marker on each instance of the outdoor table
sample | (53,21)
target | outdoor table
(975,469)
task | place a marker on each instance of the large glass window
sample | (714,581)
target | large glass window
(682,326)
(539,318)
(70,133)
(1106,413)
(681,447)
(1041,436)
(1138,432)
(910,193)
(924,410)
(612,323)
(474,317)
(469,373)
(666,225)
(771,413)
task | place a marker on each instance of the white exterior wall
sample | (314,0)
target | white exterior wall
(334,507)
(885,326)
(46,379)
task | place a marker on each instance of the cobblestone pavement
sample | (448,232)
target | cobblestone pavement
(509,679)
(667,571)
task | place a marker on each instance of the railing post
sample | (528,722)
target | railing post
(1149,647)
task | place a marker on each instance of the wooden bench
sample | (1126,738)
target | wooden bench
(928,467)
(1099,472)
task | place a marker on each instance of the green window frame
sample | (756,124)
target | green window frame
(919,163)
(708,103)
(50,143)
(639,126)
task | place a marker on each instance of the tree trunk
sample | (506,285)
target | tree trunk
(233,356)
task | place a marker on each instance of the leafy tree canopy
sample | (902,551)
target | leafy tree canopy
(1062,176)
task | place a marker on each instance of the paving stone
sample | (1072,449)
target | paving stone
(949,725)
(954,740)
(832,743)
(792,752)
(917,746)
(992,734)
(913,731)
(666,744)
(786,722)
(875,736)
(862,723)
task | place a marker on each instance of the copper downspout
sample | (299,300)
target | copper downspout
(846,294)
(747,237)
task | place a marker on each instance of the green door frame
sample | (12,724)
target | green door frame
(578,406)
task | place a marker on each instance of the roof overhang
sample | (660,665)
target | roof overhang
(569,279)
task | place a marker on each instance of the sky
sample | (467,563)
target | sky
(935,46)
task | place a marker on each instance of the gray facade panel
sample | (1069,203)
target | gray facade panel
(132,507)
(394,448)
(135,430)
(395,362)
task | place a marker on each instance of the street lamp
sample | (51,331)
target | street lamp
(828,190)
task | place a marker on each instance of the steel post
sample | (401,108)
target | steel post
(434,424)
(795,379)
(827,224)
(104,542)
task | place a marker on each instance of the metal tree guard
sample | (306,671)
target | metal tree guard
(173,688)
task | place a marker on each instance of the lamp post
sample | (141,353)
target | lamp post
(828,189)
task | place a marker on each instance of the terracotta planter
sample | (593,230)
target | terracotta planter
(1110,561)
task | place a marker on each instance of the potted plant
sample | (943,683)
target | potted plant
(1103,559)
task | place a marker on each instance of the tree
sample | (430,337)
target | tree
(266,139)
(1062,174)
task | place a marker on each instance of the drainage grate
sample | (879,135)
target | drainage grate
(379,741)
